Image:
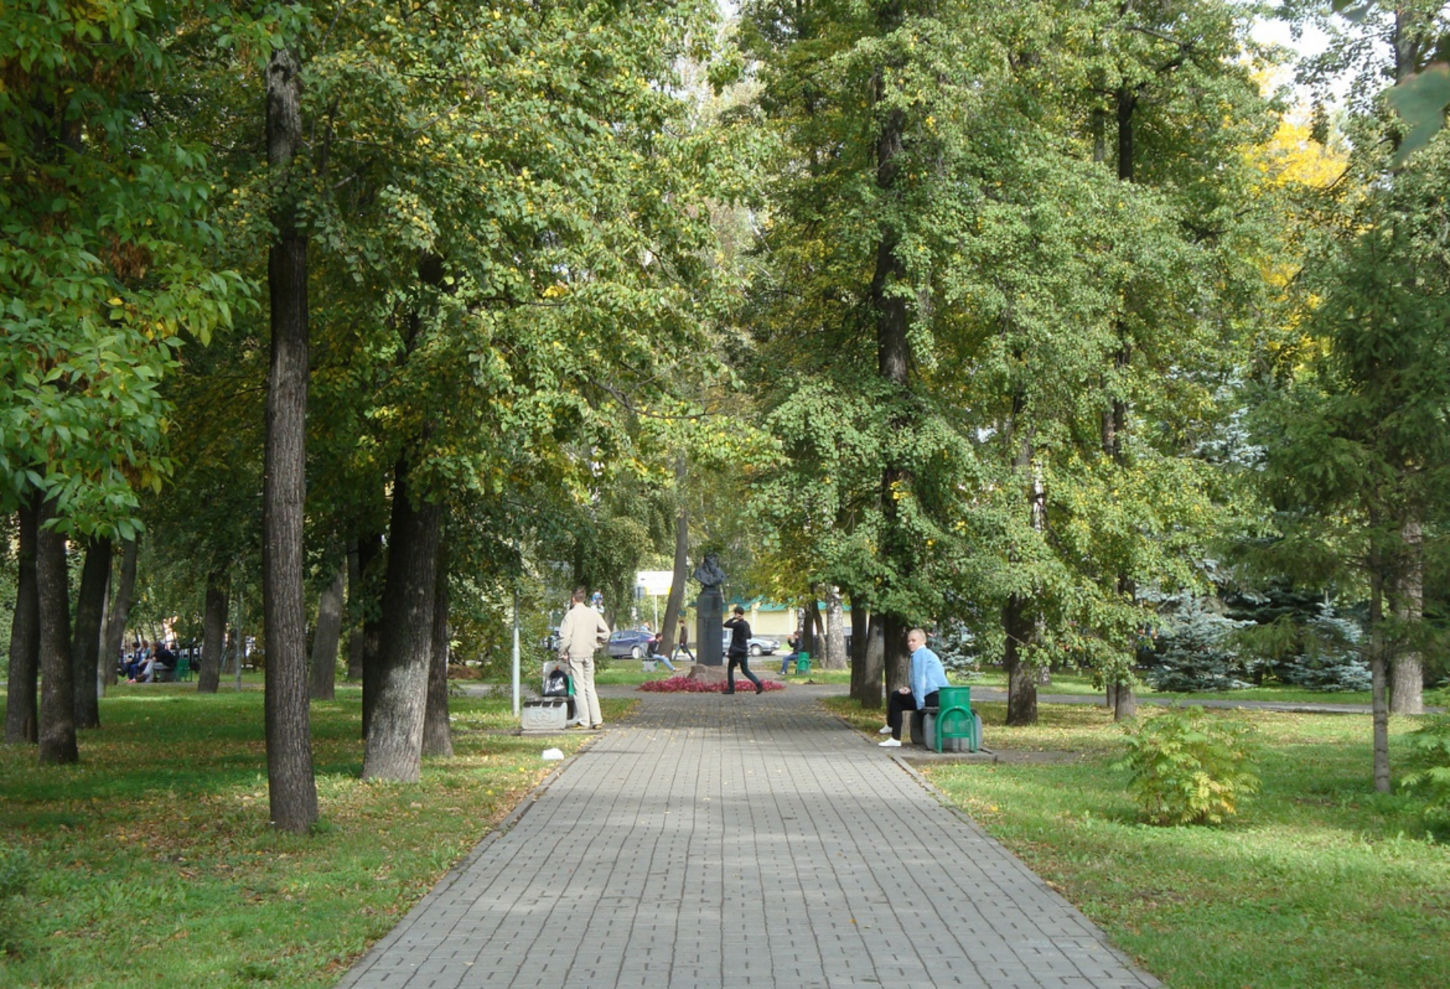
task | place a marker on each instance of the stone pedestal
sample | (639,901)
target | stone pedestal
(709,617)
(707,674)
(547,715)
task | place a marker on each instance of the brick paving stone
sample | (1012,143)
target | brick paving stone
(739,845)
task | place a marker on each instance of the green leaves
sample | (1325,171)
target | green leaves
(1421,100)
(102,255)
(1428,762)
(1189,767)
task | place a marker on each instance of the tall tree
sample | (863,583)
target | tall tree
(395,727)
(857,98)
(102,264)
(326,634)
(1361,438)
(57,695)
(118,610)
(437,732)
(22,719)
(90,611)
(292,787)
(214,628)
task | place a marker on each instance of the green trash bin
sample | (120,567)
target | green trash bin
(956,719)
(954,697)
(802,663)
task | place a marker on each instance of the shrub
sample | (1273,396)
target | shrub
(1428,759)
(1189,767)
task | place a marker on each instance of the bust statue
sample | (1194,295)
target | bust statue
(708,573)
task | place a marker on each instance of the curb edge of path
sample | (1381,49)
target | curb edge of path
(1127,960)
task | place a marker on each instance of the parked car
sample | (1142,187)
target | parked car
(636,643)
(759,645)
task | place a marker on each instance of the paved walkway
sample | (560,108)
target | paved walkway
(746,841)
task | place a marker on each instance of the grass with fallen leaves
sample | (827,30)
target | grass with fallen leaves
(1318,883)
(151,863)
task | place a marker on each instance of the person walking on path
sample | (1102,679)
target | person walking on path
(739,651)
(684,643)
(580,633)
(927,677)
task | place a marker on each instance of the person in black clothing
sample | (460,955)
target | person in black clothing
(684,645)
(739,651)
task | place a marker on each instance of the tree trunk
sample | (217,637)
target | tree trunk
(1379,680)
(813,639)
(894,653)
(1407,673)
(22,701)
(1121,700)
(118,611)
(675,603)
(893,359)
(354,615)
(213,635)
(865,681)
(57,674)
(85,647)
(874,698)
(1018,626)
(437,736)
(325,638)
(1021,684)
(292,786)
(372,563)
(835,658)
(395,726)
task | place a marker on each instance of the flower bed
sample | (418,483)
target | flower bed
(684,685)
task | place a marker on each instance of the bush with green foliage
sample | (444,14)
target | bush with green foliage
(1428,760)
(1189,767)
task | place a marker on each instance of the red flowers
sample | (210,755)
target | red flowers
(684,685)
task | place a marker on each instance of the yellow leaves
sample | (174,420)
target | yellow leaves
(1293,156)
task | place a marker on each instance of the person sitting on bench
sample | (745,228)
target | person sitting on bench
(927,677)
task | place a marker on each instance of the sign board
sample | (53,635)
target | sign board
(654,582)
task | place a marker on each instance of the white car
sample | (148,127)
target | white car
(759,646)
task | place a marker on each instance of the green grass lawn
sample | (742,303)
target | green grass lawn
(151,863)
(1319,884)
(1080,685)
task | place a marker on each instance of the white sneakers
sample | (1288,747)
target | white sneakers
(890,743)
(884,730)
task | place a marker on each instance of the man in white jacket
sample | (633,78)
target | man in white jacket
(580,633)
